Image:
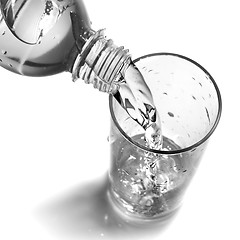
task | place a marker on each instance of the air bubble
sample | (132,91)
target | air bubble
(4,52)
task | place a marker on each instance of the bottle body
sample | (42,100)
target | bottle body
(40,38)
(46,41)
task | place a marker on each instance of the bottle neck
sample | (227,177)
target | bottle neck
(101,63)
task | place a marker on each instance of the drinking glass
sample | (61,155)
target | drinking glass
(150,184)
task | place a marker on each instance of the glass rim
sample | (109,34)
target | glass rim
(182,150)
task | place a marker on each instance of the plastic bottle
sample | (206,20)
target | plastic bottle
(40,38)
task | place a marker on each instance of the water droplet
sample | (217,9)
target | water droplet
(170,114)
(208,115)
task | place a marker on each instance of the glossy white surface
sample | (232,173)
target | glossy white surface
(53,161)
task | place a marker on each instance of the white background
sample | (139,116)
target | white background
(53,133)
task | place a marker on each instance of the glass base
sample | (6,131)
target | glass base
(126,211)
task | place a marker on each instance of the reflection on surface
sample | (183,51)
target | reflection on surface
(87,212)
